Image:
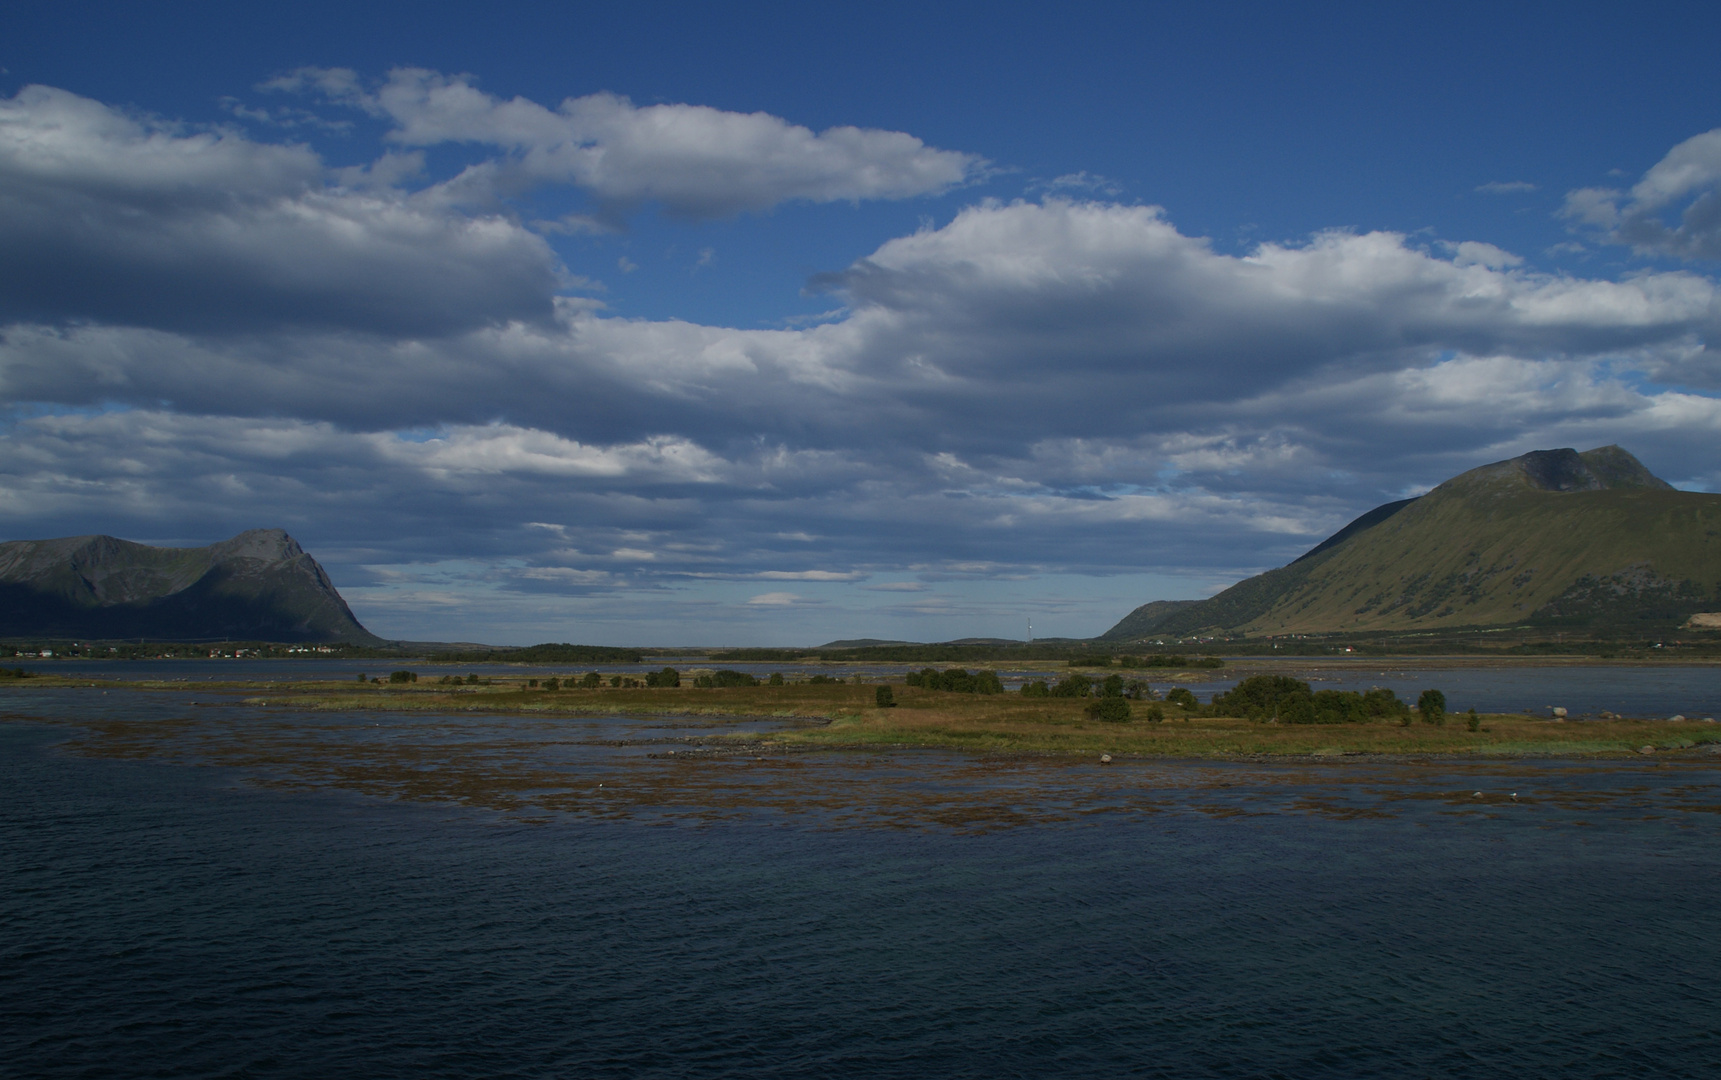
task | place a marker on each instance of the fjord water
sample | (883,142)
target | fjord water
(161,919)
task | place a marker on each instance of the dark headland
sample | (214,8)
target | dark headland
(258,586)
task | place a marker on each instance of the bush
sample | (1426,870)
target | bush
(1112,709)
(823,680)
(1137,690)
(531,684)
(667,677)
(775,680)
(552,684)
(472,679)
(615,680)
(591,680)
(1073,686)
(1432,706)
(1037,688)
(402,676)
(1112,686)
(1154,712)
(1472,721)
(885,698)
(361,675)
(1182,696)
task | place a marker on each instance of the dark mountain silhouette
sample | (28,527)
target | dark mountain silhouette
(258,586)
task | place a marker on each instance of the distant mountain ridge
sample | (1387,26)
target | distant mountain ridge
(1591,540)
(260,585)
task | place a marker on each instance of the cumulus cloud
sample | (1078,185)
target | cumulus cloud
(694,160)
(1688,180)
(120,219)
(1053,386)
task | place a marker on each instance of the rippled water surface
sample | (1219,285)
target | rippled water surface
(230,892)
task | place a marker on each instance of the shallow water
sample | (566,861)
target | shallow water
(281,910)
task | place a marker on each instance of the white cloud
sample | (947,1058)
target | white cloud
(693,160)
(1689,174)
(778,599)
(1506,187)
(109,217)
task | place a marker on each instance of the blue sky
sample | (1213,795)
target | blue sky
(766,325)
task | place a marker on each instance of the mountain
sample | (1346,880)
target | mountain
(258,586)
(1587,541)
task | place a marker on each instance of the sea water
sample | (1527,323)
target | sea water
(164,918)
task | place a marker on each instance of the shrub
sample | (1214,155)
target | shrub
(591,680)
(552,684)
(402,676)
(472,679)
(1182,696)
(1112,709)
(615,680)
(531,684)
(885,698)
(1138,690)
(1154,712)
(821,680)
(667,677)
(361,675)
(1432,706)
(1037,688)
(1073,686)
(775,680)
(1112,686)
(1472,721)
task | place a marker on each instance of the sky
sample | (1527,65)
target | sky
(756,324)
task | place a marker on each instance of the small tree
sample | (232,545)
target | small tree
(591,680)
(776,678)
(1183,697)
(885,697)
(402,676)
(552,684)
(1472,721)
(361,676)
(1432,706)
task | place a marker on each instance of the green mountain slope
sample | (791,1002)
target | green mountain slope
(1590,540)
(260,585)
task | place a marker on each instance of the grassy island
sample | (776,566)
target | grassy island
(823,713)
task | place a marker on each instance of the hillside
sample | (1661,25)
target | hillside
(260,586)
(1589,541)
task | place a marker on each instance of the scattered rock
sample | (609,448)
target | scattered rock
(1559,712)
(1646,749)
(1676,718)
(1105,759)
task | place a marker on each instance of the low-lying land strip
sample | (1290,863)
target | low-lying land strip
(836,715)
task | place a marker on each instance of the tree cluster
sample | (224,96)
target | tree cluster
(957,680)
(1292,701)
(724,678)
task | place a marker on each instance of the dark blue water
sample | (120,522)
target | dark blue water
(168,920)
